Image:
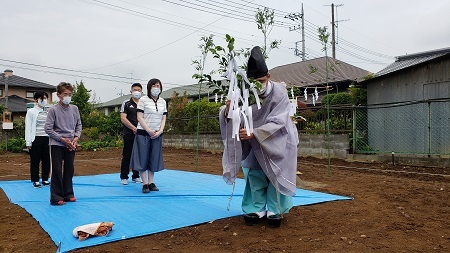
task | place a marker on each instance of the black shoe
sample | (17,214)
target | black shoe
(274,221)
(45,183)
(252,219)
(153,187)
(37,185)
(145,188)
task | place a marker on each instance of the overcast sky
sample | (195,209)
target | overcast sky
(109,44)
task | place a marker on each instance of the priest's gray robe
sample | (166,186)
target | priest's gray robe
(274,145)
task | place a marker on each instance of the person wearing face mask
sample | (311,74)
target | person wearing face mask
(147,155)
(63,126)
(37,140)
(268,155)
(128,117)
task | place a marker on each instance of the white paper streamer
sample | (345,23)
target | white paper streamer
(317,94)
(234,95)
(306,94)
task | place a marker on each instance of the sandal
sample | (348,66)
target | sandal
(58,203)
(274,221)
(253,219)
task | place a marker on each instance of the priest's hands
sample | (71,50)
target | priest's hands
(243,134)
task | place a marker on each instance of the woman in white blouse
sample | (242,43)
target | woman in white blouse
(37,140)
(147,148)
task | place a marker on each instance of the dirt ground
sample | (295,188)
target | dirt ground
(395,209)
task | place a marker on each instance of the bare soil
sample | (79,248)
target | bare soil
(395,209)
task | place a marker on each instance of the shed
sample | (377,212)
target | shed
(409,105)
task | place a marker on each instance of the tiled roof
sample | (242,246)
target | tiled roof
(115,102)
(191,90)
(406,61)
(16,103)
(299,74)
(18,81)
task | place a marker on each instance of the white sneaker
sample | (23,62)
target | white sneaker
(124,181)
(137,180)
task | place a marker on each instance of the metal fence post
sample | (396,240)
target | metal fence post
(354,130)
(429,128)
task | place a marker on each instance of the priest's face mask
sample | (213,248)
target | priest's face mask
(264,80)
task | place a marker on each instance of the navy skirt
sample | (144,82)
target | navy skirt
(147,153)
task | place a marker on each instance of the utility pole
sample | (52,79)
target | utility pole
(295,17)
(131,77)
(297,52)
(333,44)
(303,35)
(333,26)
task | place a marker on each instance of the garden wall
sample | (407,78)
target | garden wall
(314,145)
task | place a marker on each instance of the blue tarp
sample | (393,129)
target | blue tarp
(184,199)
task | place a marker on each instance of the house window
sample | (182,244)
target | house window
(1,92)
(30,94)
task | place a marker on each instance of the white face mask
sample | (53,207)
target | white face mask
(42,102)
(263,89)
(137,94)
(155,91)
(66,100)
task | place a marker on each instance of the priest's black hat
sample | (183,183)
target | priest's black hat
(256,66)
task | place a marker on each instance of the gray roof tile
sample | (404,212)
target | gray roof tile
(16,103)
(299,74)
(18,81)
(191,91)
(406,61)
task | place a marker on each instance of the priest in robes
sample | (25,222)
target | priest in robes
(268,156)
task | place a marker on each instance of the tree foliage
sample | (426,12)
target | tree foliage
(80,98)
(209,122)
(183,116)
(177,103)
(265,18)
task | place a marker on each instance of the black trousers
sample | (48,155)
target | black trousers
(128,141)
(39,152)
(61,187)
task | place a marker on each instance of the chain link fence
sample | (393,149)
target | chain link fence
(417,128)
(420,128)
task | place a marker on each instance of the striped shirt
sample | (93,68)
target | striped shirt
(153,112)
(40,123)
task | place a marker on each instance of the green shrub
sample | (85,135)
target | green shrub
(19,126)
(91,133)
(15,145)
(209,121)
(359,95)
(186,122)
(91,145)
(314,126)
(341,98)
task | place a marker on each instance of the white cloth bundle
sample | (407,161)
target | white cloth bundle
(99,228)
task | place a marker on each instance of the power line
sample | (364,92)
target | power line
(345,51)
(201,7)
(70,70)
(311,26)
(60,73)
(143,15)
